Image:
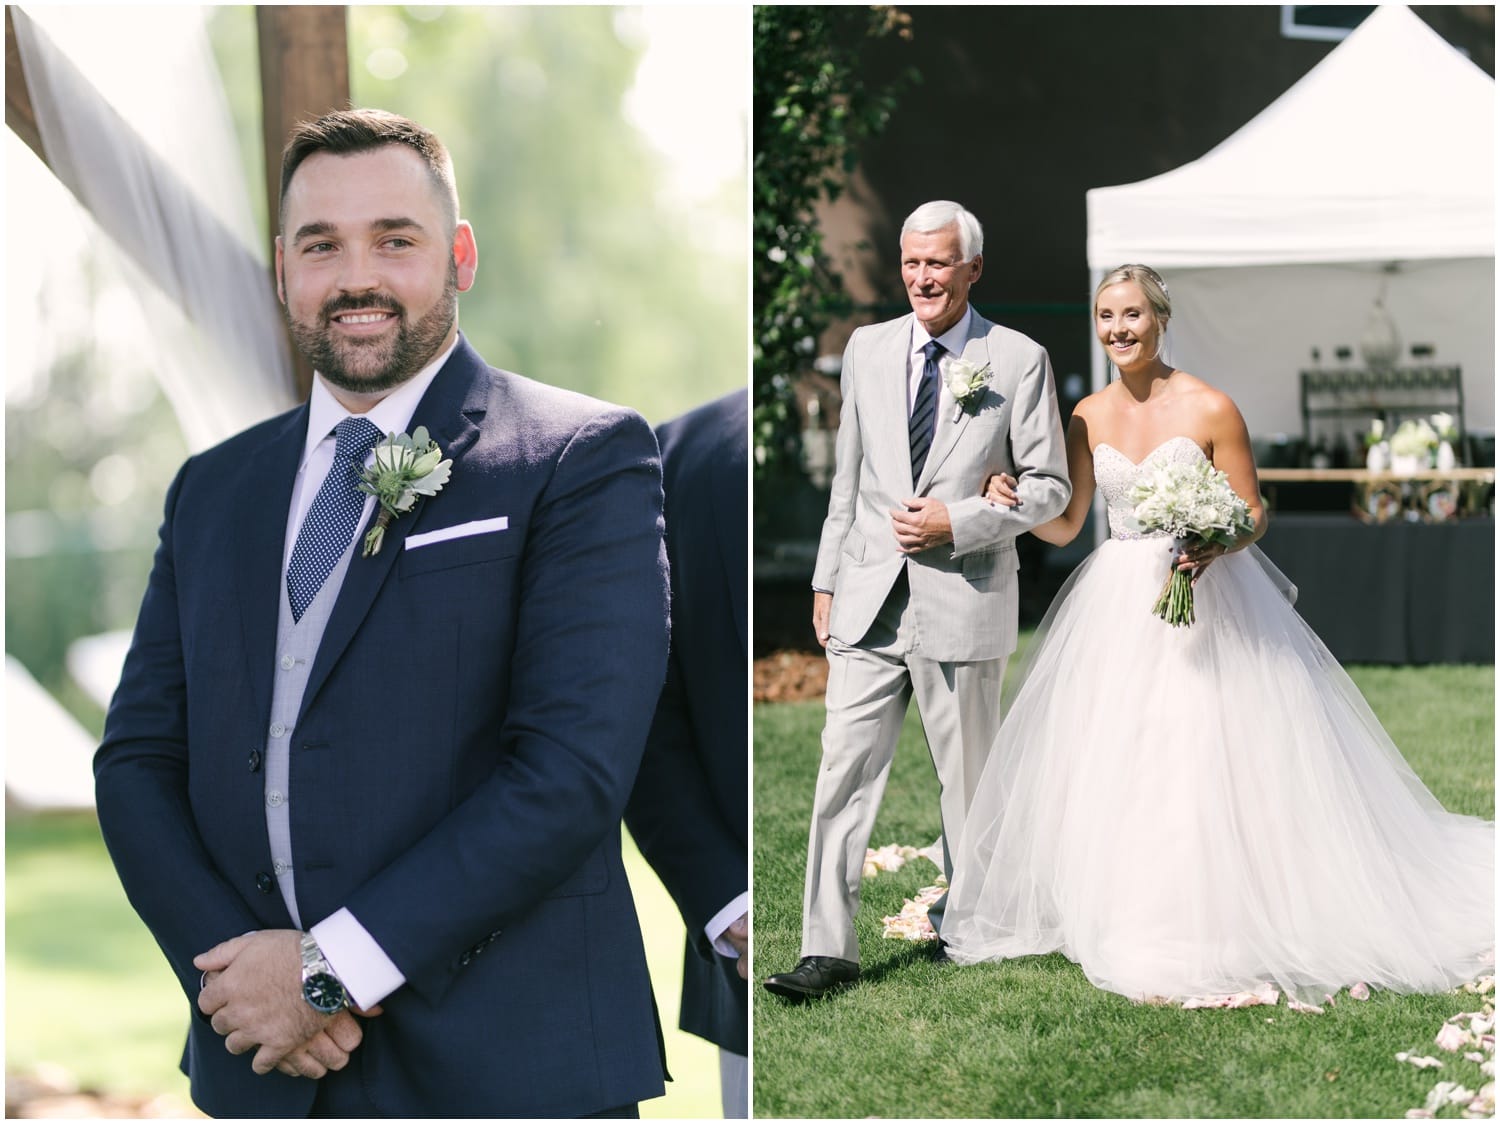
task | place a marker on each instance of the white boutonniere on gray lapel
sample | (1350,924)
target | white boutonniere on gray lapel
(965,381)
(404,468)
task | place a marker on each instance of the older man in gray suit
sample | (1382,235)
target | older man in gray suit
(915,582)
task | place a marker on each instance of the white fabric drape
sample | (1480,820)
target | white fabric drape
(154,162)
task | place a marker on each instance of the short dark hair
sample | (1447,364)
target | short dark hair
(345,132)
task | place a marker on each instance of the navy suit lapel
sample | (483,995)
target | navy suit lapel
(451,409)
(260,546)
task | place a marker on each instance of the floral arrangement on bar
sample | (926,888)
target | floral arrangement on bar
(1445,458)
(1412,446)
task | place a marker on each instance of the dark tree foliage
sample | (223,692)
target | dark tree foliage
(813,109)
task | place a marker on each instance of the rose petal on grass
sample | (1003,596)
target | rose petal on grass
(1304,1008)
(1484,985)
(1483,1103)
(1420,1062)
(1452,1037)
(1360,991)
(1446,1093)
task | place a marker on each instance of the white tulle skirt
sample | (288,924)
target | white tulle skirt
(1190,813)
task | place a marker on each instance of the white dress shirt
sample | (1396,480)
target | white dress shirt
(953,341)
(721,921)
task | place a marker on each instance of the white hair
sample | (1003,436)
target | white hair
(940,214)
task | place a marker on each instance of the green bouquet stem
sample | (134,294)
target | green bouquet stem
(1175,602)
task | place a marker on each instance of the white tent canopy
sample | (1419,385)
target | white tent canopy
(1280,239)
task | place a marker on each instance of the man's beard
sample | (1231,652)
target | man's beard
(371,366)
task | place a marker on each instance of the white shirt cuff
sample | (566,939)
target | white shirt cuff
(721,921)
(366,972)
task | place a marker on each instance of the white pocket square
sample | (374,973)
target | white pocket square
(458,531)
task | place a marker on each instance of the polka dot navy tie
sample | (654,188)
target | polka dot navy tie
(334,516)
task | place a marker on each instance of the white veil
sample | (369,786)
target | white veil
(154,161)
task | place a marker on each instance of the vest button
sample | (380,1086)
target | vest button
(255,760)
(264,882)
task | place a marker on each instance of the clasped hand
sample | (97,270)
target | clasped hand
(921,524)
(253,996)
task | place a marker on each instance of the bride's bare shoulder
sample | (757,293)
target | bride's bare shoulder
(1207,398)
(1097,404)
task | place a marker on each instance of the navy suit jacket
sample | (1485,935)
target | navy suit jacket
(470,732)
(688,812)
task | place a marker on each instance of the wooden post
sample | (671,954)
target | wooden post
(304,73)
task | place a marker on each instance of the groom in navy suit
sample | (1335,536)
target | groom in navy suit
(368,801)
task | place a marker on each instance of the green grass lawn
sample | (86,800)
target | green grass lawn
(1032,1037)
(87,990)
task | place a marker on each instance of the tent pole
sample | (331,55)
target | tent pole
(1098,380)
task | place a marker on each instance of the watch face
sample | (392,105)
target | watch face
(324,992)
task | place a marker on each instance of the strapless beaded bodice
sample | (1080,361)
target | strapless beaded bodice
(1116,474)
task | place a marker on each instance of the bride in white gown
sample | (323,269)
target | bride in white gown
(1193,813)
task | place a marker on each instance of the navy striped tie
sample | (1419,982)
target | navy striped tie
(924,409)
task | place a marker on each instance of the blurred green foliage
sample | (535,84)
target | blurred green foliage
(89,452)
(813,109)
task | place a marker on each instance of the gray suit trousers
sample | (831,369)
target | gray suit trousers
(869,687)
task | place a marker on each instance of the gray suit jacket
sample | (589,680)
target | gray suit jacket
(964,595)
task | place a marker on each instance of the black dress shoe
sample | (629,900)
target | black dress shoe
(813,976)
(940,954)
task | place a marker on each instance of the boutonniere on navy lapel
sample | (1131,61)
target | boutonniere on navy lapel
(404,468)
(965,381)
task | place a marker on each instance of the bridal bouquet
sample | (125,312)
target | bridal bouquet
(1188,501)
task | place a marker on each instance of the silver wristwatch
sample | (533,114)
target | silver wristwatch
(320,987)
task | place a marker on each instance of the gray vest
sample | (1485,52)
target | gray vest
(296,645)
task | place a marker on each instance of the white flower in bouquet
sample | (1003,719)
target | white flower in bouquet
(1414,438)
(1444,427)
(1376,434)
(1188,501)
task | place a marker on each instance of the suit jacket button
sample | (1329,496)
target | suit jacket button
(264,882)
(255,760)
(465,959)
